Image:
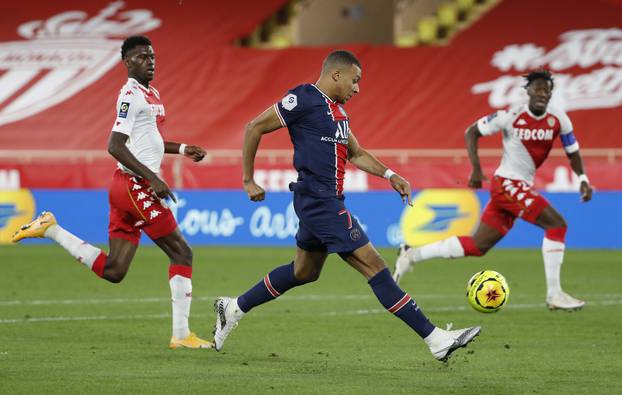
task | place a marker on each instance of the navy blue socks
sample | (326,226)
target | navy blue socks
(400,303)
(272,286)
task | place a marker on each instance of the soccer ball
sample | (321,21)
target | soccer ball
(487,291)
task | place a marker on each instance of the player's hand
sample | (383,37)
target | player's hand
(254,191)
(476,179)
(194,152)
(160,189)
(586,192)
(402,187)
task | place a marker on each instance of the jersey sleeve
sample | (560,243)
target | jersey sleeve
(494,122)
(290,108)
(569,141)
(127,109)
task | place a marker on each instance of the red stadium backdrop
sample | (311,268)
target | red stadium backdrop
(60,73)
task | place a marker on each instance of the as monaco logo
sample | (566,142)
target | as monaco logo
(63,55)
(586,66)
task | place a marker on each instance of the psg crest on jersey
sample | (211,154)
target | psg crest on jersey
(63,55)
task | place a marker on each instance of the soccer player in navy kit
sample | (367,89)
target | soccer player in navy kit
(319,129)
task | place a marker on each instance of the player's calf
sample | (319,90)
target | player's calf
(45,225)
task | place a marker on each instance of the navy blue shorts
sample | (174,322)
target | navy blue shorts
(327,225)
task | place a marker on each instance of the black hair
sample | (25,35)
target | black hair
(538,74)
(132,42)
(341,58)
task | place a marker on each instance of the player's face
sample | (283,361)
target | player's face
(539,92)
(348,83)
(140,63)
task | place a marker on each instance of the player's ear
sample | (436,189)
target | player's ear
(336,75)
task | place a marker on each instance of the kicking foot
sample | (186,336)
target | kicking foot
(443,343)
(227,316)
(562,301)
(35,228)
(191,341)
(402,263)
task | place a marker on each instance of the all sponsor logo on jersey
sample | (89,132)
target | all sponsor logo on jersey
(343,130)
(440,213)
(341,133)
(533,134)
(63,55)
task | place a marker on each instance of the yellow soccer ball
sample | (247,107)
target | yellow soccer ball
(487,291)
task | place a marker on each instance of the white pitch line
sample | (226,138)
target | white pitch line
(84,318)
(46,302)
(331,313)
(161,300)
(511,306)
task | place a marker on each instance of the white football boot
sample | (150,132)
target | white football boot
(403,264)
(562,301)
(227,316)
(443,343)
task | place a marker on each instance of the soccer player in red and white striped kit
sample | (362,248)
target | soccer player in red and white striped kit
(529,131)
(137,193)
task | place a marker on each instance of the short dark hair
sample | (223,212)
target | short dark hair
(132,42)
(538,74)
(340,58)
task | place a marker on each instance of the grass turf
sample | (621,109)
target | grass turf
(63,330)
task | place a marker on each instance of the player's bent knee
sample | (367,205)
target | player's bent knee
(115,270)
(560,223)
(307,276)
(484,249)
(114,276)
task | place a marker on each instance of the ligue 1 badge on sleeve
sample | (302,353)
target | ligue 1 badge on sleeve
(550,121)
(124,109)
(63,55)
(289,102)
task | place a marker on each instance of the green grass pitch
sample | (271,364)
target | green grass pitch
(63,330)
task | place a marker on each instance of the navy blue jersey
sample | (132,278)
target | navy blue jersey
(319,129)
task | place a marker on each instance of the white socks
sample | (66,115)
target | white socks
(448,248)
(553,254)
(181,293)
(234,309)
(79,249)
(435,337)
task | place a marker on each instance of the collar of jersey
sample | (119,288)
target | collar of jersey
(323,94)
(534,116)
(146,90)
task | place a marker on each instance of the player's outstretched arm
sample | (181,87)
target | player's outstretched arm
(268,121)
(118,149)
(471,137)
(367,162)
(576,163)
(193,152)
